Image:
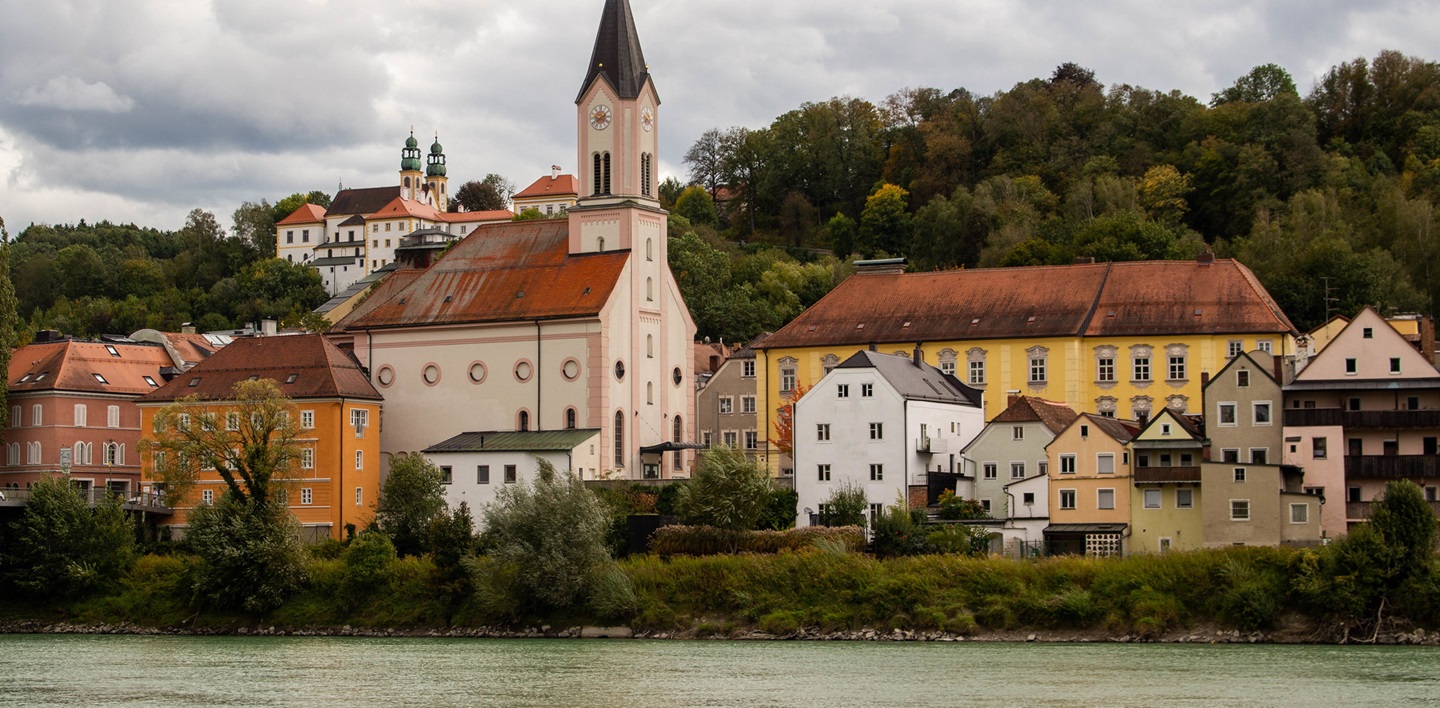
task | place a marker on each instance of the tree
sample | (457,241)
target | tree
(250,440)
(287,206)
(250,553)
(412,497)
(552,534)
(706,159)
(530,214)
(62,547)
(254,224)
(784,439)
(1162,194)
(490,194)
(885,223)
(8,321)
(451,540)
(846,506)
(726,491)
(1263,83)
(1407,525)
(81,271)
(696,205)
(669,191)
(842,230)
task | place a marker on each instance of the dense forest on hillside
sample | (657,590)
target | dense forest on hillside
(1327,195)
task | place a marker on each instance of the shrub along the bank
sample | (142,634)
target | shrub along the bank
(709,540)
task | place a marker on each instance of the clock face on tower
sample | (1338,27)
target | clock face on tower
(647,119)
(600,117)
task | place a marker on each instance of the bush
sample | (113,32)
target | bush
(552,535)
(368,564)
(62,547)
(898,532)
(709,540)
(727,490)
(958,538)
(956,508)
(250,552)
(846,506)
(411,498)
(779,511)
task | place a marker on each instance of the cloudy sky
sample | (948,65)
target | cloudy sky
(141,110)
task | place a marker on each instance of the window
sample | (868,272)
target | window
(730,438)
(522,421)
(1017,432)
(359,459)
(1230,455)
(877,431)
(1351,367)
(1104,499)
(1227,414)
(822,432)
(747,369)
(747,404)
(1067,464)
(877,472)
(1353,404)
(1067,499)
(359,496)
(1242,378)
(1028,499)
(182,421)
(842,391)
(727,405)
(752,440)
(1394,364)
(620,439)
(787,377)
(1299,513)
(232,421)
(571,423)
(482,474)
(80,415)
(1261,412)
(37,416)
(307,420)
(1164,428)
(867,390)
(307,496)
(1105,369)
(977,373)
(112,416)
(1234,348)
(1184,499)
(307,458)
(1239,474)
(1239,509)
(510,474)
(823,473)
(1264,345)
(1152,499)
(207,496)
(992,470)
(1412,403)
(1142,368)
(1043,467)
(359,419)
(1017,470)
(15,416)
(1259,456)
(1177,368)
(1105,463)
(112,454)
(1319,448)
(1037,370)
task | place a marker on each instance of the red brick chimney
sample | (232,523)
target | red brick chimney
(1427,338)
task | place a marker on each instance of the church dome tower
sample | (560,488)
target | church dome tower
(435,175)
(411,179)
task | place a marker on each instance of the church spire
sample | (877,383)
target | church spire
(617,55)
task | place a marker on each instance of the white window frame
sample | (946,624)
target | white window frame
(1234,414)
(1188,504)
(977,372)
(747,369)
(867,390)
(727,405)
(1099,468)
(1060,499)
(877,431)
(359,496)
(359,460)
(1017,432)
(822,473)
(1067,464)
(1255,408)
(307,420)
(822,432)
(232,421)
(990,470)
(1305,512)
(842,390)
(207,496)
(37,415)
(1018,466)
(1234,509)
(112,416)
(1105,369)
(747,405)
(1140,369)
(1099,496)
(81,415)
(307,496)
(877,472)
(307,458)
(1238,475)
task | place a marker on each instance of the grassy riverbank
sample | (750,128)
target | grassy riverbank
(823,590)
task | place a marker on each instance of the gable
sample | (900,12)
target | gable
(1370,343)
(1154,430)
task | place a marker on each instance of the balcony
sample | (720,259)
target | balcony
(1306,417)
(928,446)
(1360,511)
(1391,466)
(1171,475)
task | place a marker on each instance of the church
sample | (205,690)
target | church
(568,328)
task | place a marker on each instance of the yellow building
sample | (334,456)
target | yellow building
(1165,504)
(1089,471)
(1118,339)
(337,479)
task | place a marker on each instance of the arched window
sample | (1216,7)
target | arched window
(649,289)
(650,392)
(523,421)
(407,182)
(34,453)
(649,255)
(645,172)
(679,436)
(595,180)
(620,439)
(650,346)
(605,160)
(570,416)
(602,244)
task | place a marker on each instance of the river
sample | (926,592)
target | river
(84,670)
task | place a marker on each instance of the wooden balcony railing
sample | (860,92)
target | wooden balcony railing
(1166,474)
(1306,417)
(1361,510)
(1391,466)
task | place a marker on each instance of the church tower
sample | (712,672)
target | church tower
(617,114)
(435,176)
(411,181)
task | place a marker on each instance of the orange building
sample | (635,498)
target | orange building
(338,475)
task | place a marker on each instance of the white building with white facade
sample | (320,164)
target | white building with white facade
(880,422)
(475,466)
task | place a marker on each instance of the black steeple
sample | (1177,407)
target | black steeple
(617,55)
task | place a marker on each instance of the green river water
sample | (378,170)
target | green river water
(80,670)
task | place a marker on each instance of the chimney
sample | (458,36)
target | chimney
(1082,260)
(1206,257)
(1011,397)
(714,363)
(554,172)
(267,328)
(187,328)
(1278,364)
(873,347)
(886,266)
(919,356)
(1204,379)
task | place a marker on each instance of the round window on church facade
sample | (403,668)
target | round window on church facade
(385,376)
(477,372)
(523,370)
(619,371)
(431,374)
(677,376)
(570,369)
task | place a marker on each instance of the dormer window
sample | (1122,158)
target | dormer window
(100,378)
(113,351)
(291,378)
(150,381)
(195,382)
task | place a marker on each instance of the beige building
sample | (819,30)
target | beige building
(726,412)
(1258,505)
(1089,470)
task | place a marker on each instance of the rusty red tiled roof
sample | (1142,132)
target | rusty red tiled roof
(192,347)
(466,217)
(306,214)
(72,365)
(399,208)
(1029,409)
(561,186)
(319,370)
(499,273)
(1099,299)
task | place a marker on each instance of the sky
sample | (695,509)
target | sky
(141,110)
